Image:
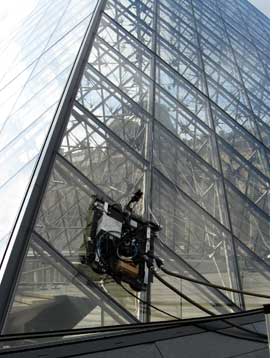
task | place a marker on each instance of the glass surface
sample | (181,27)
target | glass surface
(121,73)
(243,144)
(186,45)
(254,277)
(172,303)
(246,179)
(249,225)
(115,111)
(48,298)
(11,198)
(189,174)
(173,100)
(125,45)
(186,126)
(62,221)
(183,92)
(33,81)
(210,299)
(234,108)
(193,235)
(221,79)
(181,63)
(101,159)
(181,20)
(136,18)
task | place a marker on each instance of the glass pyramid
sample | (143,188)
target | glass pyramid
(110,96)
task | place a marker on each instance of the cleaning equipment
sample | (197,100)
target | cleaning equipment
(119,243)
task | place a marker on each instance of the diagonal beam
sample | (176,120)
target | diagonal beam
(178,263)
(167,252)
(81,281)
(18,241)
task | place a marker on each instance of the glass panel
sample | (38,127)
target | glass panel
(111,108)
(180,20)
(123,75)
(217,43)
(63,212)
(220,55)
(243,143)
(254,277)
(245,49)
(142,9)
(186,126)
(260,110)
(38,73)
(124,13)
(209,22)
(183,92)
(125,45)
(250,70)
(184,45)
(11,193)
(62,222)
(233,18)
(21,145)
(168,301)
(254,186)
(182,64)
(32,40)
(206,11)
(9,95)
(20,151)
(102,159)
(208,298)
(233,107)
(257,87)
(26,118)
(48,298)
(225,82)
(193,235)
(250,226)
(265,134)
(175,8)
(40,87)
(76,12)
(189,174)
(60,53)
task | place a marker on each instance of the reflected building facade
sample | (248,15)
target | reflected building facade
(172,98)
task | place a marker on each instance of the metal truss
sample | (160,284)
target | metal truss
(81,281)
(169,110)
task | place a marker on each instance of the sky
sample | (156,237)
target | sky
(262,5)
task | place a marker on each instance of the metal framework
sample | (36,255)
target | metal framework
(180,111)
